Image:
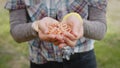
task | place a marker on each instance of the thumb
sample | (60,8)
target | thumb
(76,27)
(75,30)
(43,27)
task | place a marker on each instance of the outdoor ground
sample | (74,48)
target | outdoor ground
(14,55)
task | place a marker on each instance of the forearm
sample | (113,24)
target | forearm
(20,30)
(95,27)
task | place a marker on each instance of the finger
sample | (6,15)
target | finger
(80,33)
(62,45)
(45,37)
(51,38)
(69,35)
(69,42)
(76,26)
(43,26)
(75,30)
(60,38)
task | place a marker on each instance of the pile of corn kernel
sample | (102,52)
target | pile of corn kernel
(59,28)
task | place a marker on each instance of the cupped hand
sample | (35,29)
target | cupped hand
(68,38)
(43,29)
(76,25)
(77,30)
(45,23)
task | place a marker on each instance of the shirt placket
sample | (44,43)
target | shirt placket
(52,9)
(52,13)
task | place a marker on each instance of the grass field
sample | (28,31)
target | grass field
(14,55)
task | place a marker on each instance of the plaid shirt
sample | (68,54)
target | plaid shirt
(41,51)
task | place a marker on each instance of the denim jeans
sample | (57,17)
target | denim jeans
(78,60)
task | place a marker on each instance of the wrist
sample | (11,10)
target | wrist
(35,26)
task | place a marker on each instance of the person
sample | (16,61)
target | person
(29,21)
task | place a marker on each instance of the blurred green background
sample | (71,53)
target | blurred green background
(14,55)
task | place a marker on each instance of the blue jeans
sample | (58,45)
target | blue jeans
(78,60)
